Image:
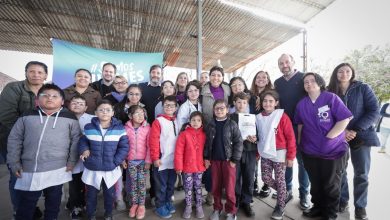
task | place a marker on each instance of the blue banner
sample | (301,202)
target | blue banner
(68,57)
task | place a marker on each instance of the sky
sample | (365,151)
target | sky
(342,27)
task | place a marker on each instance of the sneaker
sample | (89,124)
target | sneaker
(215,215)
(163,212)
(133,211)
(360,213)
(187,212)
(141,212)
(343,206)
(278,213)
(275,195)
(170,207)
(108,217)
(289,196)
(248,210)
(303,203)
(199,212)
(209,199)
(231,216)
(382,150)
(76,213)
(120,205)
(312,212)
(265,191)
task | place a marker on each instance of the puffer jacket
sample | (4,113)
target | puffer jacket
(207,100)
(232,140)
(362,102)
(138,142)
(106,152)
(189,150)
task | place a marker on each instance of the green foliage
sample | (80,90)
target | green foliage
(372,66)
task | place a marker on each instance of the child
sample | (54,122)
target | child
(76,201)
(189,161)
(247,165)
(223,150)
(276,147)
(163,135)
(191,104)
(42,150)
(103,148)
(167,89)
(138,159)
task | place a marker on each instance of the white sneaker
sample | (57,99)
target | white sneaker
(231,216)
(215,215)
(120,205)
(382,150)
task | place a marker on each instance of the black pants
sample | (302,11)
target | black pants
(245,177)
(76,192)
(325,177)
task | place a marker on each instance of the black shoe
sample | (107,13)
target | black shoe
(289,196)
(248,210)
(37,213)
(312,213)
(343,206)
(304,204)
(265,191)
(360,213)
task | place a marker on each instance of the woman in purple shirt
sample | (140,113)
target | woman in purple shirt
(322,118)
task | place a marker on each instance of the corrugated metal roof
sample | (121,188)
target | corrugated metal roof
(232,35)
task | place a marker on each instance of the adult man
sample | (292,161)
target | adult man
(291,90)
(104,85)
(17,98)
(151,91)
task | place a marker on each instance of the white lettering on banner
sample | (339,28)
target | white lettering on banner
(127,70)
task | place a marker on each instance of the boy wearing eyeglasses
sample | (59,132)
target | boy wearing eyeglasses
(162,141)
(42,150)
(103,148)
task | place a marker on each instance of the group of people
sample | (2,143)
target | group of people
(199,132)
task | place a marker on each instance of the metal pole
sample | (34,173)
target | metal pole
(200,35)
(304,34)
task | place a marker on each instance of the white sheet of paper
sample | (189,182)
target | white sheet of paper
(247,125)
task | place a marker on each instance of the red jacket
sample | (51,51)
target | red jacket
(189,150)
(285,137)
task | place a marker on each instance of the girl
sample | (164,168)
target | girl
(181,84)
(237,85)
(167,89)
(138,159)
(134,96)
(103,148)
(223,150)
(189,162)
(192,104)
(276,146)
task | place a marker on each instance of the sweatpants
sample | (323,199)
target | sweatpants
(245,177)
(76,192)
(279,183)
(108,194)
(193,181)
(325,177)
(137,183)
(164,184)
(224,176)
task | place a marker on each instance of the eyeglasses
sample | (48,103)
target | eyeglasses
(121,83)
(44,95)
(103,110)
(77,103)
(219,108)
(134,94)
(169,105)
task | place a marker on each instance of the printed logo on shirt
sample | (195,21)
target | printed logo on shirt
(323,113)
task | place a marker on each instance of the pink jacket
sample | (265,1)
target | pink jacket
(138,142)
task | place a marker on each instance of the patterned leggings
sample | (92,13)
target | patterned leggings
(279,183)
(193,180)
(137,183)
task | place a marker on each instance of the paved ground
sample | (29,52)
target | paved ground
(379,191)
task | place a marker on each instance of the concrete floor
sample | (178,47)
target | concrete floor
(377,208)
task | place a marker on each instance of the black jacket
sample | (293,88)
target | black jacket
(232,140)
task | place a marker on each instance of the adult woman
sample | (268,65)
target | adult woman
(120,85)
(181,83)
(260,83)
(215,89)
(237,85)
(360,133)
(82,87)
(133,94)
(322,117)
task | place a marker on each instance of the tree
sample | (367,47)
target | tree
(372,66)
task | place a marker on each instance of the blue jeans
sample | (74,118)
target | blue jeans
(303,178)
(29,199)
(361,161)
(164,181)
(108,194)
(14,194)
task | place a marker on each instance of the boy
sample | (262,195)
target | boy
(246,166)
(162,140)
(42,149)
(76,201)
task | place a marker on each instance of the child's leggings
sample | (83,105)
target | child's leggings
(279,183)
(137,183)
(193,180)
